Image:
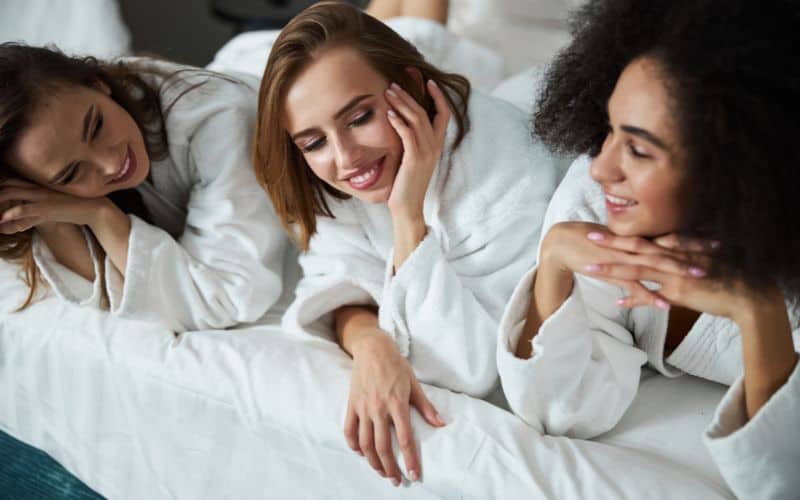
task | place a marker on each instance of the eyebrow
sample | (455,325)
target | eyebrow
(647,136)
(87,120)
(345,109)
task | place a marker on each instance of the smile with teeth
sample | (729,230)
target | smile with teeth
(124,169)
(367,176)
(622,202)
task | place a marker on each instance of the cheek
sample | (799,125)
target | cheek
(322,167)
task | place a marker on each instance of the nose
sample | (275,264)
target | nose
(606,165)
(347,153)
(108,161)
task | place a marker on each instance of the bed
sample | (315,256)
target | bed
(136,411)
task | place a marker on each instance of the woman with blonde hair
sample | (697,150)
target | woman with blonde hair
(415,200)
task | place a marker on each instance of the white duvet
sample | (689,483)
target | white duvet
(137,412)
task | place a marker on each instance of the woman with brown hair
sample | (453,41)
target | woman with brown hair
(126,185)
(415,201)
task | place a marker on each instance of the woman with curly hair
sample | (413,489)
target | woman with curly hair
(126,185)
(686,114)
(415,200)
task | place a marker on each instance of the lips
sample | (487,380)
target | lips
(128,168)
(366,176)
(618,204)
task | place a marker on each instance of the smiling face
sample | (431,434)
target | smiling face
(81,142)
(640,166)
(336,114)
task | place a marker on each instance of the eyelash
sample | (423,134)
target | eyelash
(97,127)
(359,120)
(636,153)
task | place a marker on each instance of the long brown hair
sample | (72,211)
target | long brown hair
(297,194)
(28,75)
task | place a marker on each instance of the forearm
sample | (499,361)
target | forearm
(551,287)
(768,352)
(112,228)
(408,234)
(354,324)
(69,247)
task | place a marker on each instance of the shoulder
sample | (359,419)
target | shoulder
(193,97)
(578,197)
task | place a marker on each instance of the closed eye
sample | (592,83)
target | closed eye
(71,175)
(98,125)
(362,118)
(312,146)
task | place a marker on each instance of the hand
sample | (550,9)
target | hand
(423,143)
(582,247)
(25,205)
(691,289)
(382,386)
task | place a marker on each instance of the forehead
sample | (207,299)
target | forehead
(327,84)
(53,130)
(640,99)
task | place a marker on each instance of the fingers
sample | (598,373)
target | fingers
(674,241)
(351,429)
(19,225)
(420,401)
(401,416)
(16,182)
(443,112)
(640,295)
(412,114)
(20,194)
(630,244)
(383,447)
(366,442)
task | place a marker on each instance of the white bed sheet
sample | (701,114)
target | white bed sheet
(136,412)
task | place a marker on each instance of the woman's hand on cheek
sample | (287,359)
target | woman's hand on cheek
(26,205)
(383,387)
(423,143)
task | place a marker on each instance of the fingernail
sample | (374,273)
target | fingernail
(696,272)
(391,92)
(395,86)
(391,113)
(594,236)
(620,302)
(395,481)
(714,244)
(440,420)
(592,268)
(662,304)
(412,476)
(433,83)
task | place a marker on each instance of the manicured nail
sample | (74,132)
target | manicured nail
(696,272)
(714,244)
(433,83)
(592,268)
(395,86)
(391,113)
(412,476)
(439,419)
(620,302)
(594,236)
(391,92)
(395,481)
(662,304)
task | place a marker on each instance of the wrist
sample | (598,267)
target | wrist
(368,342)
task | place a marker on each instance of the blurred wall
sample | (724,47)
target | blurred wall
(180,30)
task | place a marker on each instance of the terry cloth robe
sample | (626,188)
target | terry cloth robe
(588,355)
(213,256)
(483,209)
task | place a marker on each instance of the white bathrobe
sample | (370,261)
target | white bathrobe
(483,210)
(588,356)
(214,255)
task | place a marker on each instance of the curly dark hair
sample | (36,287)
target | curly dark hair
(732,71)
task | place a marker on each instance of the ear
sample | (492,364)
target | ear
(416,75)
(101,86)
